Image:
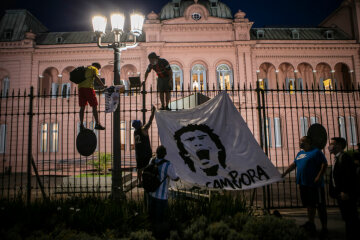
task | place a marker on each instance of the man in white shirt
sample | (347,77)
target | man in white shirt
(158,200)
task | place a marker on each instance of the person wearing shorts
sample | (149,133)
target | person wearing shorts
(87,94)
(311,165)
(143,151)
(165,78)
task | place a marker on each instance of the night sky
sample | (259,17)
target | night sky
(75,15)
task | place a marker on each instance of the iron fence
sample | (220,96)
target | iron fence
(38,156)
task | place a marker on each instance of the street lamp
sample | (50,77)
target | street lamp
(117,23)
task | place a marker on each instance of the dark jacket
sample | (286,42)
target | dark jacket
(344,176)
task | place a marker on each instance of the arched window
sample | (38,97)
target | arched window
(224,76)
(5,86)
(198,77)
(177,77)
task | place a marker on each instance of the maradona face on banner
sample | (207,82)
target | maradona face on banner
(210,152)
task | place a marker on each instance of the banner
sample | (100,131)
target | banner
(211,146)
(112,97)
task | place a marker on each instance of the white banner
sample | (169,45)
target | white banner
(211,146)
(112,97)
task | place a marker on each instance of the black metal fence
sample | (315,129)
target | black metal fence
(47,164)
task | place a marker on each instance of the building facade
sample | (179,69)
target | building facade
(208,48)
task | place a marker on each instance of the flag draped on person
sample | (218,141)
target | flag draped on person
(211,146)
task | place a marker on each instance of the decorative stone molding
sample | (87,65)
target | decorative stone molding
(152,18)
(30,35)
(240,17)
(196,8)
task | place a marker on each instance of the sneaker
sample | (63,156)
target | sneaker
(162,108)
(167,109)
(99,127)
(82,128)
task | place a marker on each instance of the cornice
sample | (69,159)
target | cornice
(88,59)
(82,51)
(199,46)
(306,47)
(302,56)
(197,27)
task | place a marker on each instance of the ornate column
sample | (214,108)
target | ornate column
(332,78)
(314,78)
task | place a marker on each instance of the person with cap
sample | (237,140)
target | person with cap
(87,94)
(143,151)
(165,78)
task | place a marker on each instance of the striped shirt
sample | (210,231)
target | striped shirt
(166,170)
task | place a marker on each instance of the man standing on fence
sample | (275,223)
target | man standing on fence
(143,151)
(165,78)
(311,165)
(343,187)
(87,94)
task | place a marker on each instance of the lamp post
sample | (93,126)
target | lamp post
(117,23)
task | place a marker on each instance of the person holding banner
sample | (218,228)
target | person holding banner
(165,78)
(143,149)
(311,165)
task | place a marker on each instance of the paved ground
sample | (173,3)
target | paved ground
(336,226)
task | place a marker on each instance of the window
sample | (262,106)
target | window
(132,139)
(263,84)
(260,34)
(123,134)
(196,16)
(267,128)
(59,40)
(78,127)
(327,84)
(54,90)
(2,138)
(5,86)
(8,34)
(300,84)
(352,131)
(314,120)
(65,90)
(54,137)
(43,137)
(335,85)
(303,126)
(213,4)
(342,127)
(329,34)
(198,76)
(277,130)
(295,34)
(224,76)
(176,5)
(92,127)
(177,78)
(290,85)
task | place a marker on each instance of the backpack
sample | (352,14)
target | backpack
(150,177)
(78,74)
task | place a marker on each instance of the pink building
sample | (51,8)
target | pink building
(208,48)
